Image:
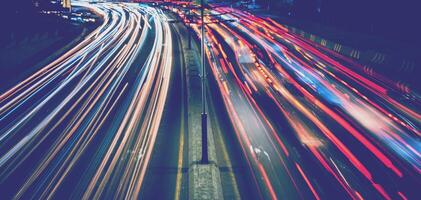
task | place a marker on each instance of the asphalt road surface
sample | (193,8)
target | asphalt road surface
(291,119)
(85,125)
(311,123)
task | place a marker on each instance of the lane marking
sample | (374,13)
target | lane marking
(182,130)
(180,162)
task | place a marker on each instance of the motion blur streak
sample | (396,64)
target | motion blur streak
(311,123)
(87,122)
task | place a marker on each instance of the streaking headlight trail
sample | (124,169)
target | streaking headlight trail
(93,113)
(311,124)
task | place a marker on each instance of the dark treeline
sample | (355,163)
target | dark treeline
(21,19)
(27,7)
(395,20)
(14,7)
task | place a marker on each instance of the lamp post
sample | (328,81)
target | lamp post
(205,159)
(205,155)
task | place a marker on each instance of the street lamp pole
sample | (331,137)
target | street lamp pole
(205,159)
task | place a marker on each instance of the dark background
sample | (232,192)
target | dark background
(395,20)
(399,21)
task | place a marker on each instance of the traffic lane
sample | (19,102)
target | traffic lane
(71,59)
(354,101)
(275,33)
(27,170)
(354,78)
(258,149)
(237,180)
(95,119)
(161,176)
(19,99)
(311,83)
(256,137)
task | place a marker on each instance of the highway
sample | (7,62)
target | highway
(311,123)
(84,126)
(290,119)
